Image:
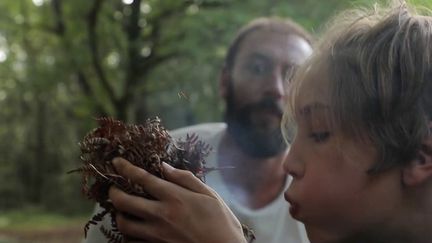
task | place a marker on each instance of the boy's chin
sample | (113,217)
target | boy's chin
(317,235)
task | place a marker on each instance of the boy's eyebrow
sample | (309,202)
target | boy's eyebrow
(309,108)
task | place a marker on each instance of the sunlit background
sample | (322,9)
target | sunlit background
(65,62)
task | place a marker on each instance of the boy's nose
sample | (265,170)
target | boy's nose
(292,164)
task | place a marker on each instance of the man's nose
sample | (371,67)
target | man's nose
(275,86)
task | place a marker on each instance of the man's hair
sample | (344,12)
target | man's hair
(379,67)
(273,23)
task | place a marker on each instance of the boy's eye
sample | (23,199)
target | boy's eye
(320,137)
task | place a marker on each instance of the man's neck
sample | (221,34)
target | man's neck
(253,182)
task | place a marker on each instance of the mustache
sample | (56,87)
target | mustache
(267,104)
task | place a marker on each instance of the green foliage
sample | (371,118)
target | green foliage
(34,218)
(62,63)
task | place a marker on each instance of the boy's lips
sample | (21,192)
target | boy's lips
(294,207)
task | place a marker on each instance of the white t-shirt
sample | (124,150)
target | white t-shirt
(271,224)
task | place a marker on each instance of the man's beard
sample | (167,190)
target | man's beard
(254,139)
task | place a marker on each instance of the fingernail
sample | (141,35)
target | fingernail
(116,161)
(167,166)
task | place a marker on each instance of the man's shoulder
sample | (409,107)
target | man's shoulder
(203,130)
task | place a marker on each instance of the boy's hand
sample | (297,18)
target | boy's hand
(184,209)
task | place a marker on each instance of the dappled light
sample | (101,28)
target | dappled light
(63,64)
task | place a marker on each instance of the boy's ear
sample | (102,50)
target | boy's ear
(224,79)
(420,169)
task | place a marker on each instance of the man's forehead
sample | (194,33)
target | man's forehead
(276,44)
(299,47)
(265,36)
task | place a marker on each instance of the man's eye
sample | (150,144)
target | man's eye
(258,68)
(320,137)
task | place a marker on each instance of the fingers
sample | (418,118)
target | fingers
(136,229)
(143,231)
(137,206)
(184,179)
(137,217)
(155,186)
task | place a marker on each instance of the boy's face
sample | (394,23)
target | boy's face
(331,192)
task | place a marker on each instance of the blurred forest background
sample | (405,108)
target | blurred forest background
(65,62)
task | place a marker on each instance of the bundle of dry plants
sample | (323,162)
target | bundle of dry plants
(145,146)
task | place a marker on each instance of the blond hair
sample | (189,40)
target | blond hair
(379,65)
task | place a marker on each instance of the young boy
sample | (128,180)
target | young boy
(361,160)
(361,157)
